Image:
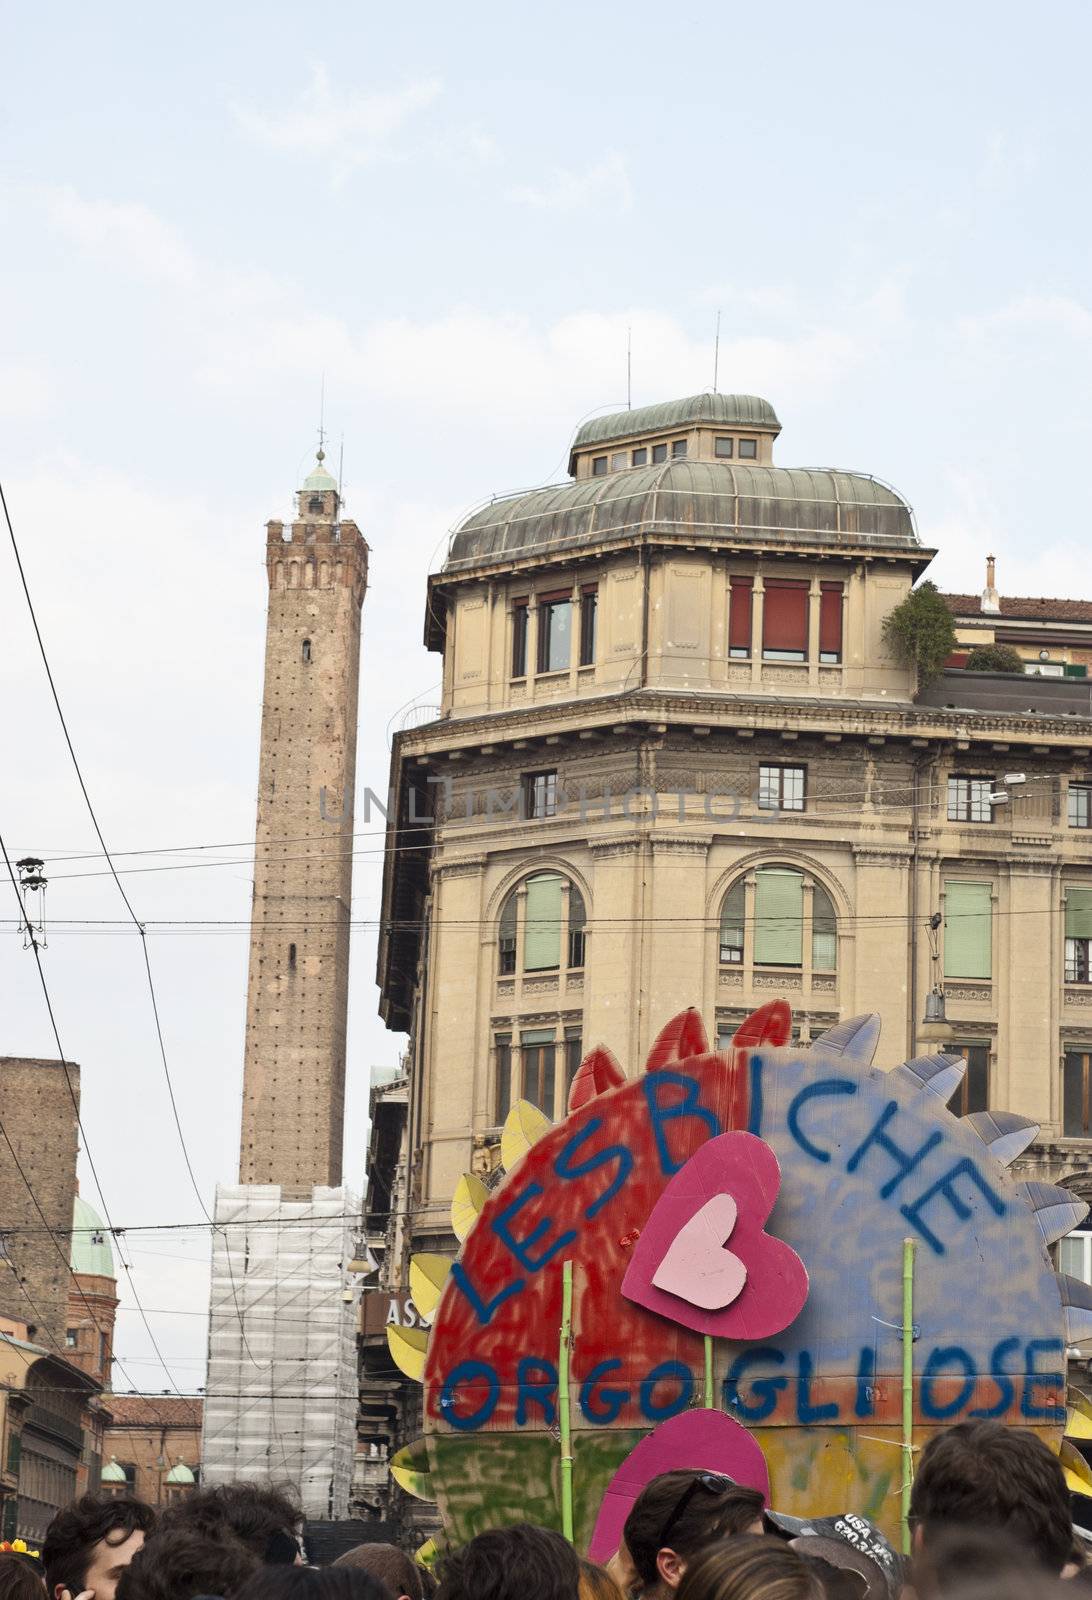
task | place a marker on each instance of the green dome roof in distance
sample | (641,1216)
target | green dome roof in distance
(319,480)
(178,1474)
(112,1473)
(91,1252)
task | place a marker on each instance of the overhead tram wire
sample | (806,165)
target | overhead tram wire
(63,1059)
(136,923)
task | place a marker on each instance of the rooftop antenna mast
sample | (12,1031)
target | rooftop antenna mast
(322,417)
(716,354)
(629,369)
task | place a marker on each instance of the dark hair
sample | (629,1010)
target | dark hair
(74,1533)
(596,1582)
(20,1579)
(961,1558)
(312,1583)
(392,1567)
(708,1514)
(984,1475)
(180,1563)
(517,1563)
(254,1512)
(750,1567)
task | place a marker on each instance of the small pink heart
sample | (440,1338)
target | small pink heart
(685,1239)
(697,1267)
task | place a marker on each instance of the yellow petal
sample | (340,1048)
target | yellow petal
(427,1276)
(1078,1474)
(428,1554)
(409,1469)
(408,1347)
(1078,1422)
(470,1195)
(523,1127)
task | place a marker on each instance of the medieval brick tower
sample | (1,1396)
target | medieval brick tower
(281,1394)
(294,1065)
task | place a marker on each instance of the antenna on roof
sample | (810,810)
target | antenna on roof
(322,414)
(716,354)
(629,369)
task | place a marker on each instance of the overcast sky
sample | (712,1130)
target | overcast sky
(454,213)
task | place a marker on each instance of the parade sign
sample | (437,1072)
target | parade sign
(736,1225)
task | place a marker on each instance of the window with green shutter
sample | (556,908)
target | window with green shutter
(779,917)
(1078,934)
(968,929)
(542,931)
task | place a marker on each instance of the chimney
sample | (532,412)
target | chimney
(990,601)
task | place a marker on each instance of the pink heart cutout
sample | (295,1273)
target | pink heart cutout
(697,1266)
(741,1167)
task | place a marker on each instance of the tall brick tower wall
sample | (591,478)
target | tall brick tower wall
(41,1122)
(294,1065)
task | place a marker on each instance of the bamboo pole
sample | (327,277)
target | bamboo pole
(709,1372)
(908,1248)
(563,1401)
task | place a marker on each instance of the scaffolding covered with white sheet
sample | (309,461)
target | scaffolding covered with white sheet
(281,1393)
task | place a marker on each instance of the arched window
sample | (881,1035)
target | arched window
(552,923)
(793,916)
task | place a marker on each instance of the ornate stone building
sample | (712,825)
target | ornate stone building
(676,765)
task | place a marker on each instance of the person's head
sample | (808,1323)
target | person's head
(261,1517)
(984,1475)
(678,1515)
(596,1582)
(751,1568)
(961,1558)
(20,1578)
(517,1563)
(90,1543)
(312,1583)
(399,1575)
(180,1563)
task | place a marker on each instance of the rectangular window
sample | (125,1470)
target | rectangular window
(748,449)
(589,607)
(618,461)
(1075,1256)
(739,617)
(678,448)
(640,456)
(599,466)
(502,1052)
(969,799)
(785,621)
(973,1093)
(968,929)
(540,794)
(723,448)
(781,788)
(1078,935)
(542,926)
(15,1450)
(71,1338)
(779,918)
(732,917)
(555,632)
(1080,805)
(519,639)
(659,452)
(539,1052)
(1075,1109)
(830,622)
(573,1055)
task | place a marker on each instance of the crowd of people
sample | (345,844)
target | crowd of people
(990,1513)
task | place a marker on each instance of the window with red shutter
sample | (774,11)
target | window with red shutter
(785,621)
(739,617)
(830,622)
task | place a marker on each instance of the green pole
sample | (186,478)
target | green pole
(908,1248)
(563,1401)
(708,1372)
